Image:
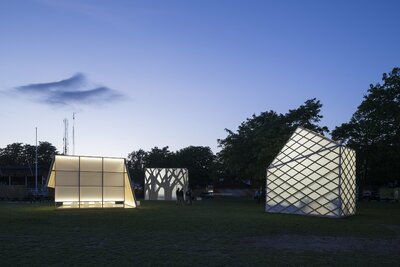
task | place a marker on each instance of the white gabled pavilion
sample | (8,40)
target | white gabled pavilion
(91,182)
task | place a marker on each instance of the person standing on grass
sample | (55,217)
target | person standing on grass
(189,197)
(257,196)
(178,195)
(181,193)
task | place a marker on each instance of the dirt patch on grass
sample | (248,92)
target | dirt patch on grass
(300,243)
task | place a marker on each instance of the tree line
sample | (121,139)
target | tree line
(199,160)
(373,131)
(19,154)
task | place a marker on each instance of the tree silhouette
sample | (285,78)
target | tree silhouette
(165,179)
(374,132)
(246,153)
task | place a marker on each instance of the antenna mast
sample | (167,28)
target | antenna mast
(36,164)
(73,133)
(65,139)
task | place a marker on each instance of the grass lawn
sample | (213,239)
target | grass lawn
(209,233)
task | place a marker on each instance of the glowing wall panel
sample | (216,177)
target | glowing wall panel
(90,164)
(348,185)
(67,193)
(114,193)
(161,183)
(91,193)
(91,178)
(312,175)
(91,182)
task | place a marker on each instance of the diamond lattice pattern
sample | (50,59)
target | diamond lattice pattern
(305,177)
(348,182)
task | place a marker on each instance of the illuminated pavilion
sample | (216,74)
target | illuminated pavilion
(91,182)
(312,175)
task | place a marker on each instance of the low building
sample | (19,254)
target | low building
(19,182)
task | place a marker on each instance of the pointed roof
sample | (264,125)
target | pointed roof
(302,143)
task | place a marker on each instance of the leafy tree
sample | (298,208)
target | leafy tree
(18,154)
(199,161)
(46,152)
(160,158)
(137,159)
(136,163)
(247,152)
(307,116)
(374,132)
(13,154)
(155,158)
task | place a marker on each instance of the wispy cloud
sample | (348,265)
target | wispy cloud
(75,81)
(75,90)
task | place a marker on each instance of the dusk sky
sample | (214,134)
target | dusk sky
(141,74)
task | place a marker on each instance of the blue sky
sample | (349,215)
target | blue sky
(177,73)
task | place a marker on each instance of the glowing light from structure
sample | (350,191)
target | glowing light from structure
(161,183)
(312,175)
(91,182)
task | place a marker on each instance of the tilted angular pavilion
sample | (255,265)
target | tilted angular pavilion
(312,175)
(91,182)
(161,183)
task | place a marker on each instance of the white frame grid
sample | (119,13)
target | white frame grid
(312,175)
(91,182)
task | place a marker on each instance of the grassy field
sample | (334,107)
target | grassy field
(209,233)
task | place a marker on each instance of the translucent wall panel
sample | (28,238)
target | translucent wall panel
(306,177)
(114,194)
(114,165)
(64,178)
(65,193)
(161,195)
(66,163)
(91,164)
(91,179)
(129,198)
(347,183)
(113,179)
(52,176)
(161,183)
(91,193)
(91,182)
(302,142)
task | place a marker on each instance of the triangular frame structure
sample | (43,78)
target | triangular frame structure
(162,183)
(91,182)
(312,175)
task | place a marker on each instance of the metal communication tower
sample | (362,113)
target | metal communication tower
(36,164)
(73,133)
(65,139)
